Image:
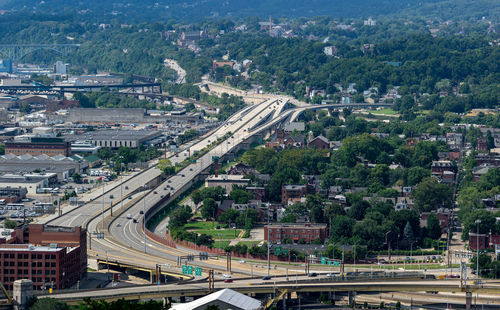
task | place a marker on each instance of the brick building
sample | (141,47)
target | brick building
(12,194)
(277,232)
(38,146)
(319,142)
(50,256)
(293,192)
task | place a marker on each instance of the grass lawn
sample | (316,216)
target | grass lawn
(249,243)
(384,111)
(200,225)
(221,244)
(221,233)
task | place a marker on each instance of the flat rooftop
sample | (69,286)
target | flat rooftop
(117,134)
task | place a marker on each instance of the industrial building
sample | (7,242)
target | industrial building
(12,194)
(32,182)
(116,138)
(37,146)
(51,256)
(226,181)
(63,166)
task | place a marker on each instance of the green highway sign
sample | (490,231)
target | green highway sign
(190,270)
(184,269)
(329,263)
(197,271)
(277,250)
(336,264)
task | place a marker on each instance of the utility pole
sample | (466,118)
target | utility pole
(477,248)
(268,243)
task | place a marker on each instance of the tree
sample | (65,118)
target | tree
(490,141)
(165,165)
(430,195)
(484,263)
(408,235)
(342,227)
(179,217)
(314,203)
(358,210)
(9,224)
(433,227)
(240,195)
(77,178)
(49,303)
(209,209)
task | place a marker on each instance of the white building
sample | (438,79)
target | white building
(369,22)
(225,299)
(60,68)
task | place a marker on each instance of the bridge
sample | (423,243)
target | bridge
(258,287)
(17,51)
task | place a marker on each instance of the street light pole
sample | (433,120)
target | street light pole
(477,248)
(102,226)
(268,243)
(144,219)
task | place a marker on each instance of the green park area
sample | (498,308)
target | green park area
(384,111)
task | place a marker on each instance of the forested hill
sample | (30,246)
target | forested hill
(195,10)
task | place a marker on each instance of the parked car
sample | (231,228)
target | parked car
(313,274)
(266,278)
(228,280)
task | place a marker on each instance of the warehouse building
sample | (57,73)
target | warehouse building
(116,138)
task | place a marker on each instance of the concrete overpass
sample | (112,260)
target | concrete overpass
(256,287)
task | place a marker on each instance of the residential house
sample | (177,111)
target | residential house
(320,142)
(293,193)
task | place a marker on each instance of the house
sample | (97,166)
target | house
(320,142)
(258,193)
(442,216)
(454,140)
(440,166)
(241,169)
(492,159)
(403,203)
(293,192)
(481,145)
(479,171)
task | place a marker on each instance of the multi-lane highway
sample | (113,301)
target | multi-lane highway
(124,240)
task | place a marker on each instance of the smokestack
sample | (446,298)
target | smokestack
(270,24)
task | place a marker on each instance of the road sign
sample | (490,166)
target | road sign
(329,263)
(184,269)
(197,271)
(323,260)
(277,250)
(190,270)
(336,264)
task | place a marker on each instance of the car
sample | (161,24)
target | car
(182,175)
(313,274)
(155,192)
(266,278)
(126,187)
(190,169)
(241,261)
(130,197)
(161,196)
(111,197)
(129,216)
(141,212)
(169,181)
(228,280)
(331,275)
(135,220)
(118,225)
(164,188)
(226,276)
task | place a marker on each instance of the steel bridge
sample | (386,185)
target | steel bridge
(17,51)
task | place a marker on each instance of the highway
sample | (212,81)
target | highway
(124,238)
(265,287)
